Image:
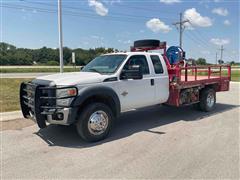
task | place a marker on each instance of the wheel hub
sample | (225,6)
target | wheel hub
(98,122)
(210,100)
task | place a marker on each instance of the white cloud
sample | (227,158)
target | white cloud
(170,1)
(125,41)
(115,2)
(220,11)
(205,52)
(156,25)
(219,42)
(227,22)
(96,37)
(196,18)
(99,7)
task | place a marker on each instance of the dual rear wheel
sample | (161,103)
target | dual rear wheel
(207,100)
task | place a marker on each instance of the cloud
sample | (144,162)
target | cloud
(220,11)
(96,37)
(219,42)
(112,2)
(99,7)
(170,1)
(125,41)
(156,25)
(205,52)
(227,22)
(196,18)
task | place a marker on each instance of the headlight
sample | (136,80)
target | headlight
(65,96)
(66,92)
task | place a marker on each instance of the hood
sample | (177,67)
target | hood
(73,78)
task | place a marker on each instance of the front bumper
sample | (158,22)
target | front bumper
(38,102)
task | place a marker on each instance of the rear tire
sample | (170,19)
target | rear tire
(207,99)
(95,122)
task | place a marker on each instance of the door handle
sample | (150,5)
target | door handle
(152,82)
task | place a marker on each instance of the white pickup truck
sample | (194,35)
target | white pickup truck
(109,85)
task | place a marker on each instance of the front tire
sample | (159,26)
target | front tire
(95,122)
(207,100)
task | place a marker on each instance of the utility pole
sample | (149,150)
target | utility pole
(221,49)
(216,58)
(181,27)
(60,35)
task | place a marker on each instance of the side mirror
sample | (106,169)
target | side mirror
(81,67)
(133,72)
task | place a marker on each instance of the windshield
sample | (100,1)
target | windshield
(105,64)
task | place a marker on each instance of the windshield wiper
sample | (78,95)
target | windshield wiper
(95,70)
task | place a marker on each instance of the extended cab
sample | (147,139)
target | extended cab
(111,84)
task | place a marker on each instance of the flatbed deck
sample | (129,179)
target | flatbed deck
(197,77)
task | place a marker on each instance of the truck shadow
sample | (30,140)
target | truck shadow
(130,123)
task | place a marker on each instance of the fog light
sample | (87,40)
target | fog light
(58,116)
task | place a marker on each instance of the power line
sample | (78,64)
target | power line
(90,12)
(70,13)
(92,17)
(181,27)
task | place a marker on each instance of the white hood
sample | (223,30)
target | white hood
(73,78)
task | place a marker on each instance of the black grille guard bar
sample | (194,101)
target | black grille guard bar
(36,109)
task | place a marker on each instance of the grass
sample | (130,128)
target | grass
(36,70)
(9,94)
(235,76)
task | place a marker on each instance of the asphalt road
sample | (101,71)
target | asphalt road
(23,75)
(157,142)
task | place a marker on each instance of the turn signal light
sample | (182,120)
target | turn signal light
(72,92)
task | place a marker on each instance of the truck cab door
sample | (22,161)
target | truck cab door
(137,93)
(161,79)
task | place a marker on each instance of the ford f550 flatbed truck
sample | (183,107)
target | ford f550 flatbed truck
(113,83)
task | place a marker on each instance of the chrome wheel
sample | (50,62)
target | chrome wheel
(98,122)
(210,100)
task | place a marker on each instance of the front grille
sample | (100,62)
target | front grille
(35,97)
(29,96)
(37,101)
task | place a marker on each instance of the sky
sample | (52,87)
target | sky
(118,23)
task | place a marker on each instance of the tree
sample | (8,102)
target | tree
(11,55)
(191,61)
(201,61)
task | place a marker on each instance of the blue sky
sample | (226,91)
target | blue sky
(117,23)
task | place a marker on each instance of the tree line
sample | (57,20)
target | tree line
(11,55)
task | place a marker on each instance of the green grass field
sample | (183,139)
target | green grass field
(9,94)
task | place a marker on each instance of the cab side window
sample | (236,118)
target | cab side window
(157,64)
(139,60)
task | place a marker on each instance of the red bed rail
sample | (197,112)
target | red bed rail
(194,73)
